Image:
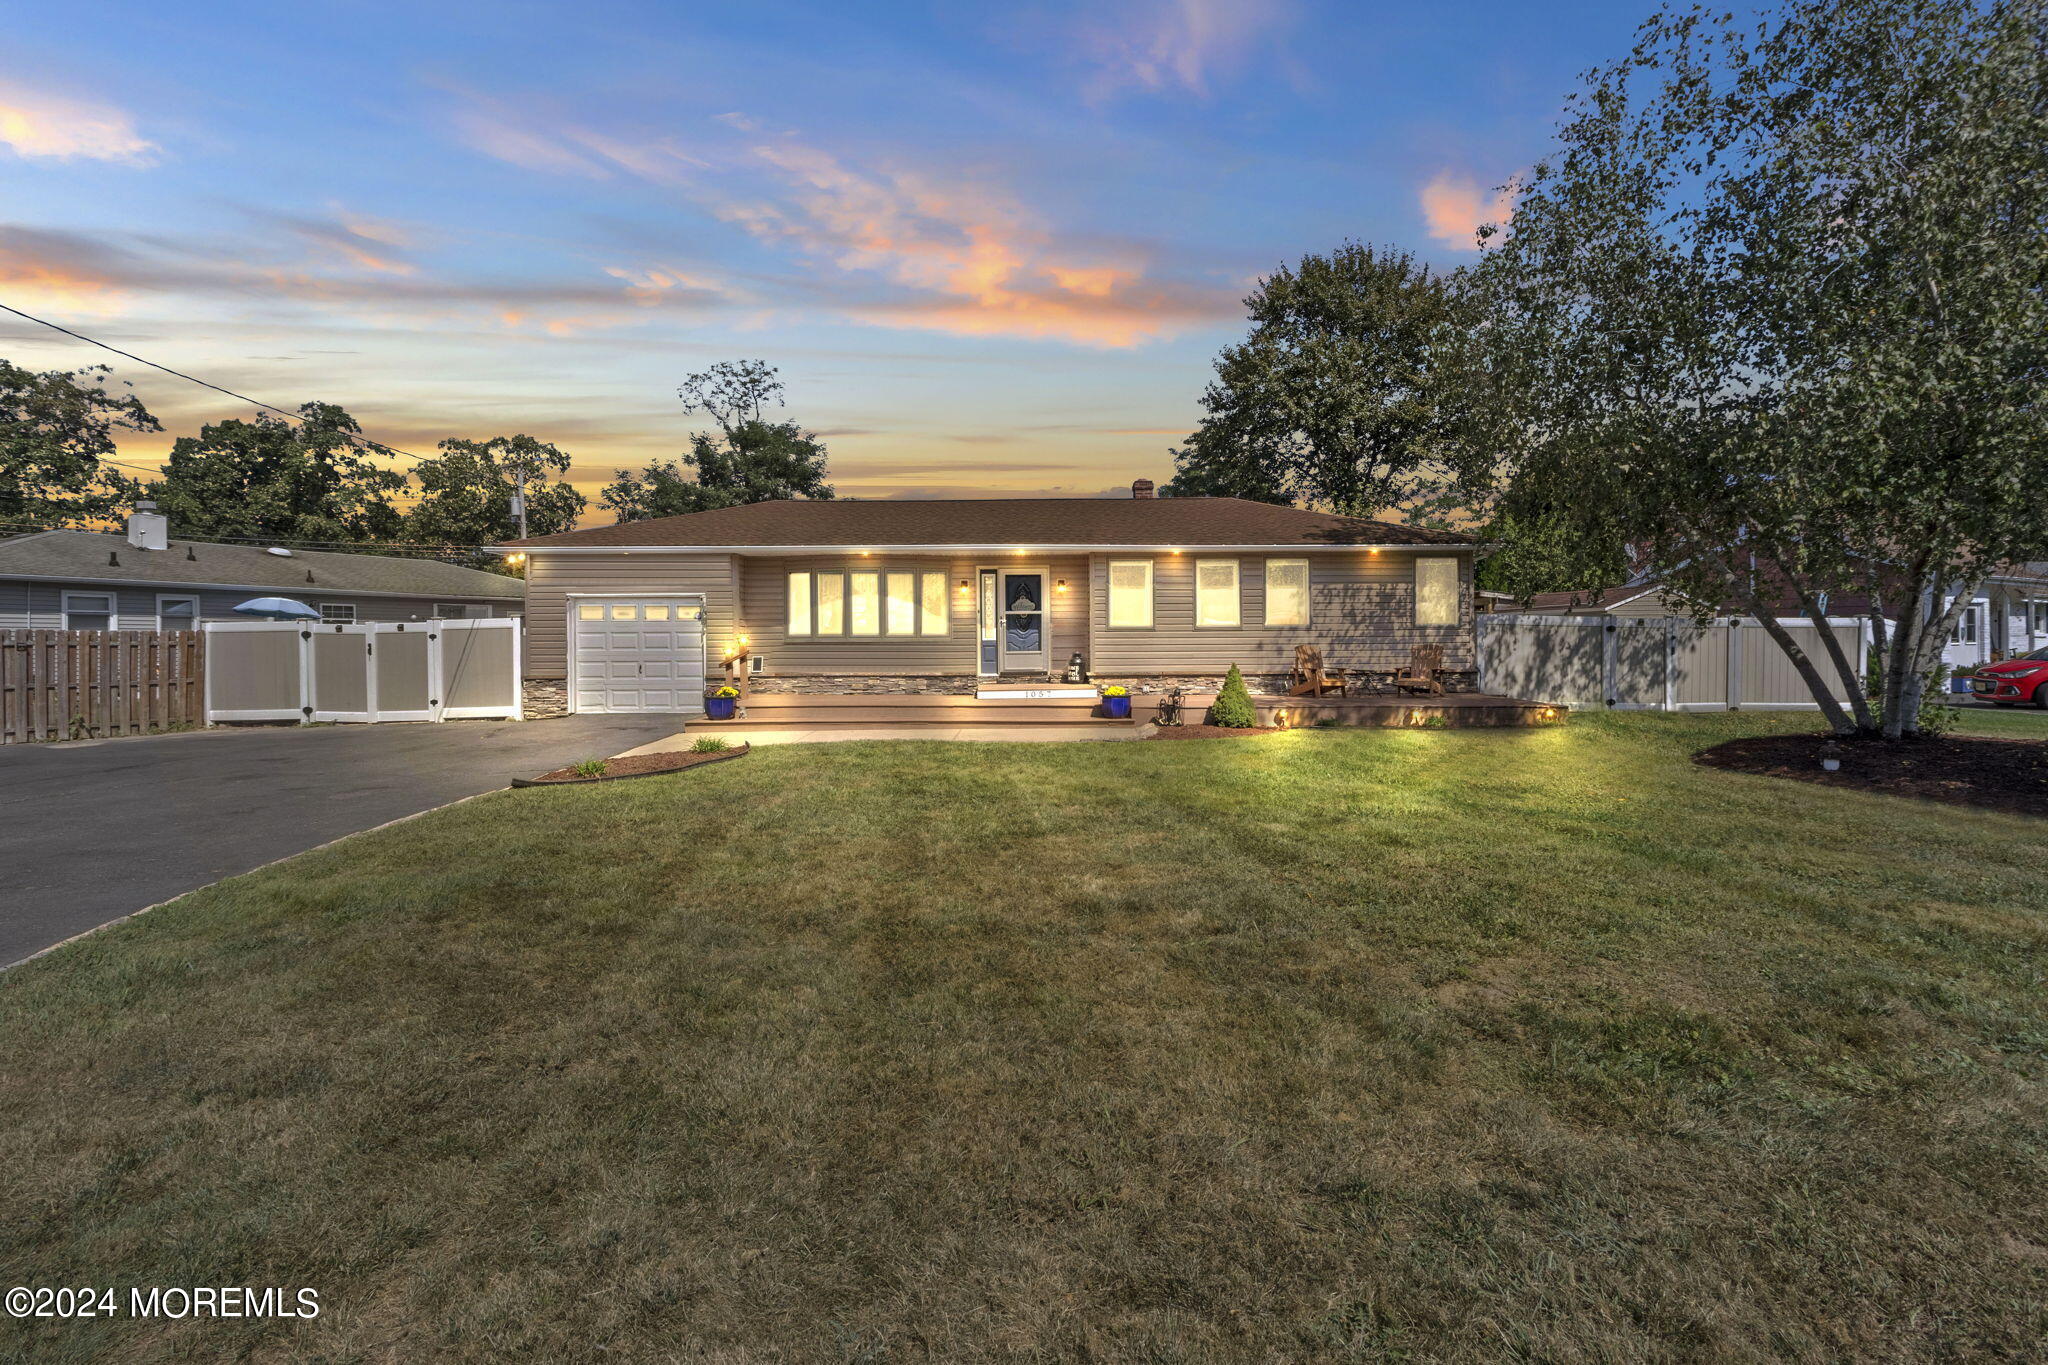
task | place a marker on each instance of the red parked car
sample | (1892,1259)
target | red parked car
(2024,677)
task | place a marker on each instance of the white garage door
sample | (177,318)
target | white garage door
(638,654)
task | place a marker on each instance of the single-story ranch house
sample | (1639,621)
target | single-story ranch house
(909,596)
(144,580)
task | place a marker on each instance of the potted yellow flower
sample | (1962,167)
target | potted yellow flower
(1116,702)
(720,704)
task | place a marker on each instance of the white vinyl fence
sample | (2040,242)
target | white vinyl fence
(375,671)
(1657,663)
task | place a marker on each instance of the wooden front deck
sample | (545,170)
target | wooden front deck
(785,710)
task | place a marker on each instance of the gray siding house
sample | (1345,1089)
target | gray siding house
(940,595)
(144,580)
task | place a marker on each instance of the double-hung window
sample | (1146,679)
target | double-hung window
(177,613)
(338,613)
(897,603)
(1436,590)
(1130,594)
(1216,594)
(90,611)
(1286,592)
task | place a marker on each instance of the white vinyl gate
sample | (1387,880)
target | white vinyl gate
(1657,663)
(362,673)
(641,653)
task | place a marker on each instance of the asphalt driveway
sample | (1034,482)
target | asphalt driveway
(94,830)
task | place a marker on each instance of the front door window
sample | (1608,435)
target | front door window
(1023,594)
(991,662)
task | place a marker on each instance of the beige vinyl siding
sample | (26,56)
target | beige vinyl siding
(1361,614)
(764,607)
(551,578)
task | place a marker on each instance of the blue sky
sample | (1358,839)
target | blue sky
(992,248)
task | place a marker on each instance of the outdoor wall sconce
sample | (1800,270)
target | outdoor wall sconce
(1061,586)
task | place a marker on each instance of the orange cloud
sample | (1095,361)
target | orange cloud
(44,271)
(1455,207)
(983,263)
(37,124)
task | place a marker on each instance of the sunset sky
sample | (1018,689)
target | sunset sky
(993,248)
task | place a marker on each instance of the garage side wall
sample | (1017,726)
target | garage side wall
(550,579)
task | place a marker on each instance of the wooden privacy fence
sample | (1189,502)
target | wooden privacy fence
(87,684)
(1658,663)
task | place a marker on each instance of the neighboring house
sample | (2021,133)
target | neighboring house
(2008,616)
(83,580)
(851,595)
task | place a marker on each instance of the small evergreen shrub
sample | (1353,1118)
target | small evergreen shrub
(1233,709)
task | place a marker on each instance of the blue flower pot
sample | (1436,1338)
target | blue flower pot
(1117,708)
(720,708)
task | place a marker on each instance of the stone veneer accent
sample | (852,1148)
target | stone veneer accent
(544,698)
(547,697)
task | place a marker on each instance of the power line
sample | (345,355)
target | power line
(377,446)
(340,545)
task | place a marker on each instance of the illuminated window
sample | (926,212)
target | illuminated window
(864,604)
(799,604)
(654,611)
(1287,592)
(831,604)
(1130,594)
(938,611)
(902,603)
(585,611)
(1216,596)
(1436,591)
(624,611)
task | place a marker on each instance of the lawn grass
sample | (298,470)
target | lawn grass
(1332,1045)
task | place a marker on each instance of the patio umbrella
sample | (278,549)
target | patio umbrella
(277,609)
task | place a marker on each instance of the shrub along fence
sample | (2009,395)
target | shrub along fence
(88,684)
(1657,663)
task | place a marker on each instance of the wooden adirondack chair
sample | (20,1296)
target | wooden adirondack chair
(1423,672)
(1310,679)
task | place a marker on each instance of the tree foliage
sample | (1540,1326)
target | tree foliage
(748,459)
(281,480)
(466,493)
(1333,398)
(1773,312)
(57,428)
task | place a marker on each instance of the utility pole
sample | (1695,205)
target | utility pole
(519,498)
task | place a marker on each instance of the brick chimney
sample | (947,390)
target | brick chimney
(1141,488)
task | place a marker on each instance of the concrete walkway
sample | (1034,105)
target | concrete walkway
(1005,734)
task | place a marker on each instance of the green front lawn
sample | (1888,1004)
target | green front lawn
(1333,1045)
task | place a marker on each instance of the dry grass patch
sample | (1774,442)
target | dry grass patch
(1352,1045)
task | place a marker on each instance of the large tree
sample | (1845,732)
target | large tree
(57,430)
(277,479)
(1773,313)
(748,459)
(466,492)
(1333,398)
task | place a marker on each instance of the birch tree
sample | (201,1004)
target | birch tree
(1773,313)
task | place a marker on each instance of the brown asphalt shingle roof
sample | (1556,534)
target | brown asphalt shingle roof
(1004,521)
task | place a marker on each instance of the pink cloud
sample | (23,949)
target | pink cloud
(1185,45)
(38,124)
(1455,207)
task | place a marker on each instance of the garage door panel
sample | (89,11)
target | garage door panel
(637,656)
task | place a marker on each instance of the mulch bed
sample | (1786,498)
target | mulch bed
(1211,731)
(1963,770)
(634,765)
